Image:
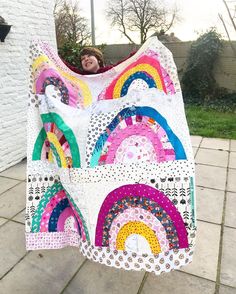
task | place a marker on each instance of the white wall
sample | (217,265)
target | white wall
(29,19)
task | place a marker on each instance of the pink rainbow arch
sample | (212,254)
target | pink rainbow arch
(73,95)
(142,130)
(66,213)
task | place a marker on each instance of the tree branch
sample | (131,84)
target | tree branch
(229,13)
(231,44)
(139,15)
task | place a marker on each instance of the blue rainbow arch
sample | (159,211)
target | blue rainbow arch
(138,75)
(138,111)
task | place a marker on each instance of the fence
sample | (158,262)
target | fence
(224,69)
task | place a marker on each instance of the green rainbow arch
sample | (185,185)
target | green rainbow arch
(39,145)
(68,133)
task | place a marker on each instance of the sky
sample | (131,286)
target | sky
(196,17)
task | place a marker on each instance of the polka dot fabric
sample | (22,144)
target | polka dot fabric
(110,163)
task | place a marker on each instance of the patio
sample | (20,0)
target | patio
(66,271)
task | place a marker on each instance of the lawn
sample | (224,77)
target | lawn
(211,123)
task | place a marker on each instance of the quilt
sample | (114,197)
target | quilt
(110,165)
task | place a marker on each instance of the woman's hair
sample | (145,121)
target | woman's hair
(94,52)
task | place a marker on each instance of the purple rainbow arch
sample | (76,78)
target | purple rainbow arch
(141,190)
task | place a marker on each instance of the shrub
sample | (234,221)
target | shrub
(70,52)
(199,84)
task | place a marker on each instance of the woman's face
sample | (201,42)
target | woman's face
(90,63)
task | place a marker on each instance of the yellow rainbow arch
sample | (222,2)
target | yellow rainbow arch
(50,156)
(52,138)
(140,67)
(135,227)
(87,97)
(39,60)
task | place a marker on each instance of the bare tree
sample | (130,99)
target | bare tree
(70,25)
(144,16)
(231,10)
(232,16)
(57,5)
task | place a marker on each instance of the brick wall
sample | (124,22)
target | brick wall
(29,19)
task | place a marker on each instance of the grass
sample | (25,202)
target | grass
(211,123)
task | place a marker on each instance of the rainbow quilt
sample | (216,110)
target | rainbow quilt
(110,162)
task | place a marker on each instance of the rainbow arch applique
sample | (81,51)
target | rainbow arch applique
(137,133)
(58,139)
(131,209)
(54,209)
(150,225)
(58,83)
(42,149)
(147,69)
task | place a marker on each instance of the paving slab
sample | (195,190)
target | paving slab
(213,143)
(205,257)
(195,149)
(230,215)
(13,201)
(211,176)
(228,263)
(196,140)
(231,186)
(20,217)
(233,145)
(227,290)
(97,278)
(6,184)
(209,200)
(43,271)
(232,160)
(2,221)
(17,171)
(178,283)
(12,246)
(212,157)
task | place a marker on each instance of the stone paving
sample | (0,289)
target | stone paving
(66,271)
